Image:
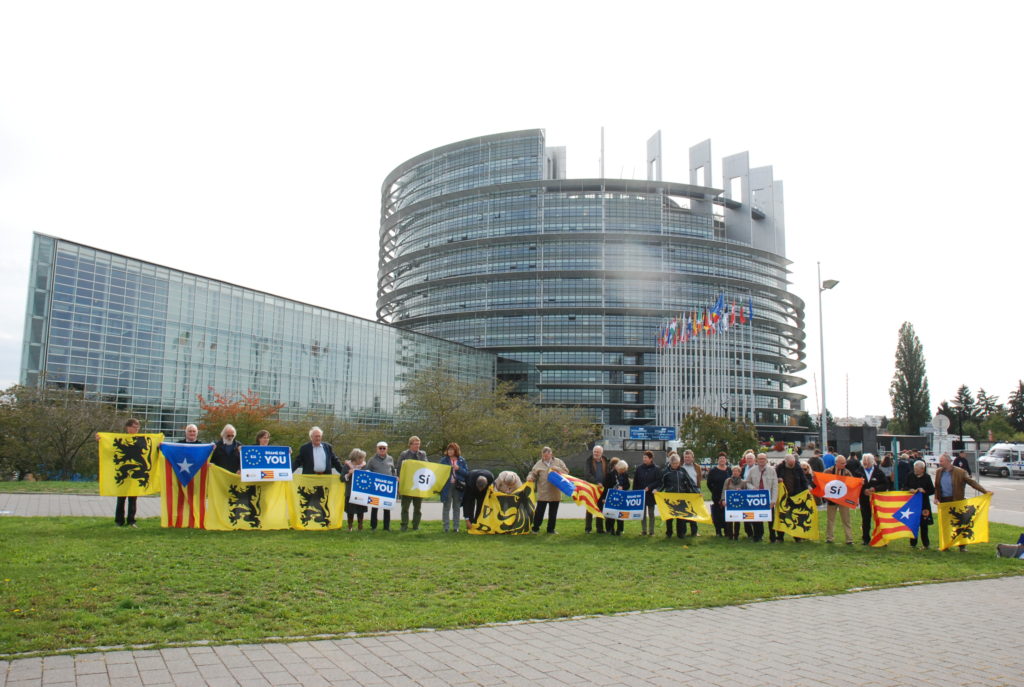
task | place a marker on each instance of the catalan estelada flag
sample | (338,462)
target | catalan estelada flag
(681,507)
(964,522)
(582,492)
(183,499)
(129,464)
(422,478)
(839,489)
(236,505)
(507,513)
(317,502)
(796,515)
(897,515)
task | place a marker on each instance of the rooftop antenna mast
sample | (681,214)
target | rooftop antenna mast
(601,166)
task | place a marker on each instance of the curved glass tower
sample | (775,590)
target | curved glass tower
(485,243)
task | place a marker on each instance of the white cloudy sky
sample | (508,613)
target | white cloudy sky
(248,141)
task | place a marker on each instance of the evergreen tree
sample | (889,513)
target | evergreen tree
(911,403)
(965,405)
(945,409)
(1015,409)
(988,405)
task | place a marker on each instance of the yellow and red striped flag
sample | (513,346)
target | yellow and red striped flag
(897,515)
(583,493)
(183,500)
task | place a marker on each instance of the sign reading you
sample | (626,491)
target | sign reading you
(266,464)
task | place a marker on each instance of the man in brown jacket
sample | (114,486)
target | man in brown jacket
(950,481)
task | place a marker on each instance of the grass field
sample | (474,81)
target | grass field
(55,487)
(81,582)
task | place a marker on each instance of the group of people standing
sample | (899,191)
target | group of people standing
(465,489)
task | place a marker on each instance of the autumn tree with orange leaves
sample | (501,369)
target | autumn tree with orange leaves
(247,413)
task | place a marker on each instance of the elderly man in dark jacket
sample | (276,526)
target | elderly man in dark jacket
(874,480)
(473,496)
(595,471)
(793,477)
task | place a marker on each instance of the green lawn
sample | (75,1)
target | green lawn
(81,582)
(55,487)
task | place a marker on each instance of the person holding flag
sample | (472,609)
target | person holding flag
(595,470)
(548,495)
(949,483)
(920,481)
(844,513)
(411,453)
(792,477)
(675,480)
(646,477)
(875,480)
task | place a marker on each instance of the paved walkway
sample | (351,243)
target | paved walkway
(867,639)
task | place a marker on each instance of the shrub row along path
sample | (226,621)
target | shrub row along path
(1007,505)
(801,641)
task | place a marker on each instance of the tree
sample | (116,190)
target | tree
(1015,407)
(494,427)
(707,435)
(988,405)
(945,409)
(248,414)
(964,404)
(51,432)
(909,389)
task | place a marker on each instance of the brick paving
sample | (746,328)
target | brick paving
(960,633)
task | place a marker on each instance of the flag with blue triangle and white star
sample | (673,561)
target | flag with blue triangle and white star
(897,515)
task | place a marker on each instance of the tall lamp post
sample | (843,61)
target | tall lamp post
(822,286)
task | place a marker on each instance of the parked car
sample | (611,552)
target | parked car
(1003,460)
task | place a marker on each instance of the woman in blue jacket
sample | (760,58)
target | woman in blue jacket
(451,495)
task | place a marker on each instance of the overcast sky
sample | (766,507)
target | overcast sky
(247,141)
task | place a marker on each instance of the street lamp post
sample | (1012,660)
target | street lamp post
(822,286)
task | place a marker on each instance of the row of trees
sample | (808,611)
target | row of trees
(50,433)
(983,415)
(980,417)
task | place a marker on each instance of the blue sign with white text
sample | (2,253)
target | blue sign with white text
(652,433)
(373,489)
(749,505)
(620,504)
(266,463)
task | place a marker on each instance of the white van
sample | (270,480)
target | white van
(1003,460)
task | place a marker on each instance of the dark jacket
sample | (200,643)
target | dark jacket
(878,482)
(616,480)
(228,458)
(594,471)
(305,460)
(472,498)
(716,480)
(963,464)
(677,482)
(855,468)
(793,477)
(647,477)
(904,469)
(925,483)
(816,463)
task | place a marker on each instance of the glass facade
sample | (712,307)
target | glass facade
(575,276)
(151,338)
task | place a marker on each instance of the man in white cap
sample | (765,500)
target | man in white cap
(383,464)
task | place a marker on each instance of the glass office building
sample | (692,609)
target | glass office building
(151,338)
(484,242)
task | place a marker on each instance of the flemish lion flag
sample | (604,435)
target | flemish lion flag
(183,499)
(796,515)
(317,502)
(422,478)
(897,515)
(236,505)
(582,492)
(681,507)
(839,489)
(964,522)
(506,513)
(129,464)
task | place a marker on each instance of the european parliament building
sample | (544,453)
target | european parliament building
(150,339)
(485,242)
(492,264)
